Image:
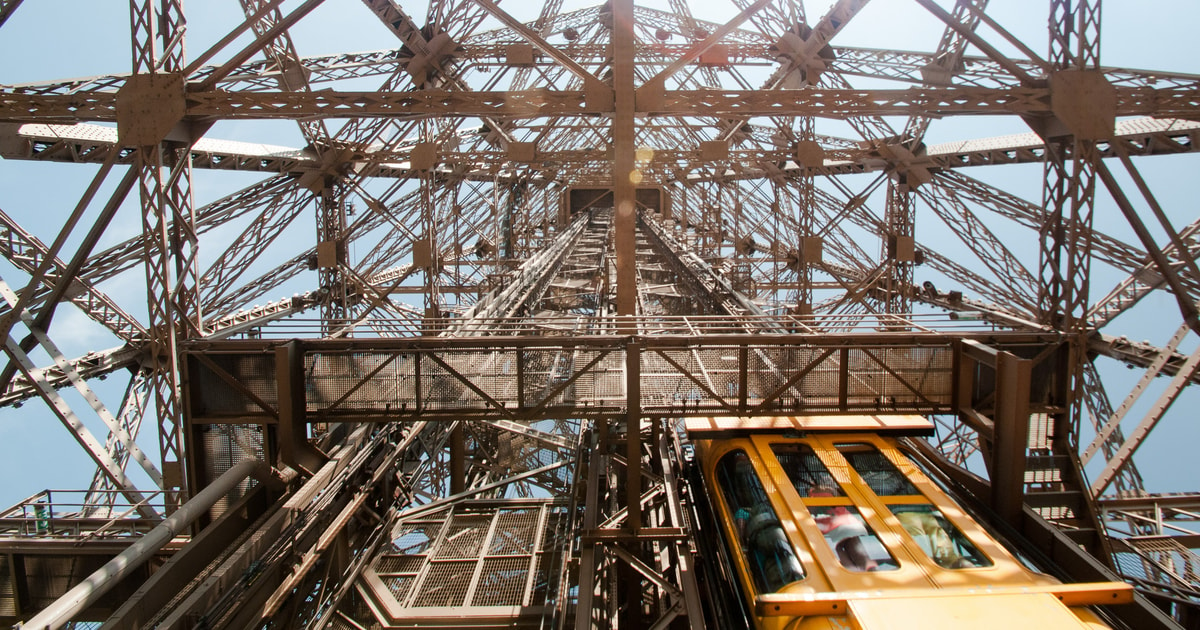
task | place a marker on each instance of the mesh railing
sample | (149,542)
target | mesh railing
(587,377)
(646,325)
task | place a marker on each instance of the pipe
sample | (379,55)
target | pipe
(86,593)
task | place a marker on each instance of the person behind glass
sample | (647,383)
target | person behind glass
(844,531)
(768,550)
(933,539)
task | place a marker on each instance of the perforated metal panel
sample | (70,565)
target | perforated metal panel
(225,445)
(251,372)
(8,594)
(747,378)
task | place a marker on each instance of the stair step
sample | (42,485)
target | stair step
(1043,476)
(1072,499)
(1047,462)
(1082,536)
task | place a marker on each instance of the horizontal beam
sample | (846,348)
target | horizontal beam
(1182,501)
(805,604)
(1137,353)
(91,365)
(519,379)
(832,103)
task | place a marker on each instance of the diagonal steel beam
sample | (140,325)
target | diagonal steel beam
(126,441)
(658,81)
(589,80)
(830,24)
(1187,305)
(7,8)
(264,39)
(1112,424)
(25,251)
(282,208)
(947,62)
(292,74)
(129,416)
(96,364)
(24,299)
(1147,424)
(968,32)
(1141,281)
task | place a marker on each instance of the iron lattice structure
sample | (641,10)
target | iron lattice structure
(461,315)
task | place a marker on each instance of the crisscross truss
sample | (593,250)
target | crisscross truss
(527,220)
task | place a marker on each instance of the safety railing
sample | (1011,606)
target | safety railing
(523,378)
(70,514)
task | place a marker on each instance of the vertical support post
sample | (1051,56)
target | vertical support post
(805,213)
(898,244)
(331,226)
(168,226)
(633,435)
(624,172)
(294,449)
(1071,155)
(1013,379)
(520,378)
(587,554)
(417,393)
(458,459)
(964,379)
(843,379)
(743,377)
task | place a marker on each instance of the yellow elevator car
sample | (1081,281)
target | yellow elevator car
(838,528)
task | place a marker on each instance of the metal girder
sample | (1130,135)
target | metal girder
(7,8)
(26,252)
(86,440)
(264,38)
(1129,291)
(279,212)
(174,309)
(1106,248)
(947,60)
(1105,422)
(967,31)
(292,74)
(1000,293)
(830,24)
(1141,136)
(697,275)
(825,103)
(1186,373)
(118,429)
(88,143)
(468,385)
(28,297)
(589,80)
(91,143)
(975,234)
(1164,266)
(482,52)
(96,364)
(129,418)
